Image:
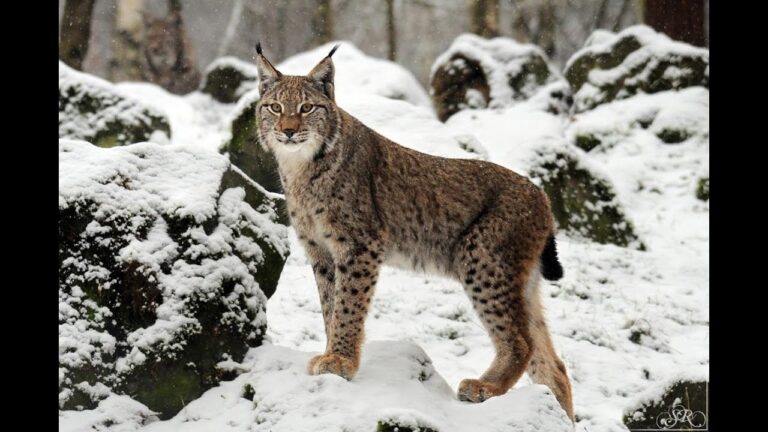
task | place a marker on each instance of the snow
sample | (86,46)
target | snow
(183,182)
(409,125)
(196,119)
(608,293)
(358,73)
(397,382)
(116,413)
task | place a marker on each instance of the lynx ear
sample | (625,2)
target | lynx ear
(268,75)
(322,75)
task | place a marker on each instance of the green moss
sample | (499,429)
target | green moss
(107,141)
(535,70)
(246,152)
(660,414)
(268,275)
(673,136)
(167,381)
(702,189)
(248,392)
(587,142)
(223,82)
(578,71)
(583,203)
(165,388)
(636,335)
(391,426)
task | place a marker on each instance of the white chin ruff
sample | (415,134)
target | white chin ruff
(292,148)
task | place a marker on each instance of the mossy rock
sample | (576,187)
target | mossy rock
(229,78)
(682,407)
(702,189)
(582,202)
(636,60)
(92,110)
(478,73)
(163,272)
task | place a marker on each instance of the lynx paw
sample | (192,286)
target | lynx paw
(472,390)
(333,363)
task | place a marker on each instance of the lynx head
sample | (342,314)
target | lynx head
(160,42)
(297,114)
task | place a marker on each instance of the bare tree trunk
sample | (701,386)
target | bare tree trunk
(484,17)
(681,20)
(521,32)
(620,16)
(229,33)
(391,34)
(184,72)
(174,6)
(126,42)
(599,21)
(322,23)
(547,27)
(75,32)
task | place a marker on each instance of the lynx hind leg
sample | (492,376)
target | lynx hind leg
(545,366)
(496,283)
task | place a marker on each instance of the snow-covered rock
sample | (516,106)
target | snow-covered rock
(679,404)
(493,73)
(358,73)
(94,110)
(226,79)
(165,265)
(636,60)
(396,385)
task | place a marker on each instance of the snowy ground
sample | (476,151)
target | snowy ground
(608,292)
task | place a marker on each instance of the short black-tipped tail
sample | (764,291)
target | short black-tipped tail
(550,265)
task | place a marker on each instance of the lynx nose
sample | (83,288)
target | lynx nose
(289,132)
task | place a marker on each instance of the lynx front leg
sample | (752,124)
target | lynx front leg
(325,277)
(356,273)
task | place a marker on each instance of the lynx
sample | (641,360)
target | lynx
(167,57)
(358,200)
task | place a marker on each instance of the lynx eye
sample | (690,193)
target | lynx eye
(307,108)
(275,108)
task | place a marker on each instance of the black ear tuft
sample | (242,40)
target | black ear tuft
(335,47)
(268,75)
